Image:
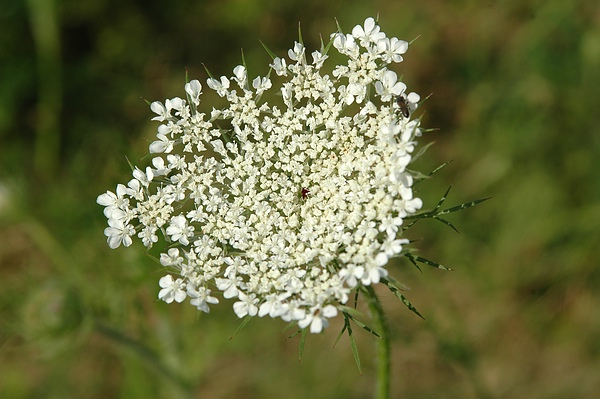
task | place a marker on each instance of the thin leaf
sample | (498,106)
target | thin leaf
(354,349)
(462,206)
(295,333)
(408,226)
(411,258)
(402,298)
(351,311)
(339,28)
(346,324)
(422,150)
(441,201)
(187,96)
(246,68)
(436,213)
(156,260)
(426,261)
(300,40)
(438,168)
(430,129)
(327,47)
(271,53)
(364,326)
(425,99)
(302,342)
(210,75)
(242,325)
(397,284)
(447,223)
(407,303)
(409,43)
(420,176)
(417,176)
(131,165)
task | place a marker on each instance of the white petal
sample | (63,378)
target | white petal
(329,311)
(317,325)
(106,199)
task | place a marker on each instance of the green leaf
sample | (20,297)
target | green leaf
(396,291)
(242,325)
(436,213)
(210,75)
(407,303)
(302,342)
(268,50)
(428,262)
(339,28)
(438,168)
(131,165)
(462,206)
(411,258)
(364,326)
(300,40)
(422,150)
(296,332)
(354,349)
(322,47)
(441,201)
(337,339)
(325,50)
(156,260)
(417,176)
(397,284)
(408,226)
(246,67)
(411,42)
(447,223)
(351,311)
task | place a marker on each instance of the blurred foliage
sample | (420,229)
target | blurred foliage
(515,98)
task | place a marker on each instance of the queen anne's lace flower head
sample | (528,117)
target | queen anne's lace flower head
(285,207)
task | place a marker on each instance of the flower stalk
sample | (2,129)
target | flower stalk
(383,344)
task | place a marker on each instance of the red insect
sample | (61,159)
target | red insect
(305,193)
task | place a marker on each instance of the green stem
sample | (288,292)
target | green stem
(383,346)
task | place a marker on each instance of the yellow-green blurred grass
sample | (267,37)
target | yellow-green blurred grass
(515,95)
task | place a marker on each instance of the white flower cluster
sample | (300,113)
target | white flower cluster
(286,208)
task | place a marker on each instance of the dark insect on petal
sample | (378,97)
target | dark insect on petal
(403,104)
(305,192)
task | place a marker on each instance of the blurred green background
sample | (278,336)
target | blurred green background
(516,98)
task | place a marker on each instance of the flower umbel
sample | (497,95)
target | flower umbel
(287,207)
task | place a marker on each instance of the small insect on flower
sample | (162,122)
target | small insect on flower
(305,193)
(403,104)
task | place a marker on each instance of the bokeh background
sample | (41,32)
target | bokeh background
(516,100)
